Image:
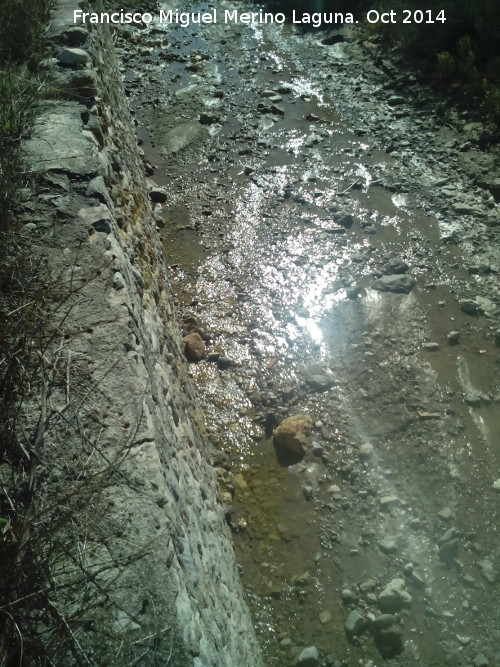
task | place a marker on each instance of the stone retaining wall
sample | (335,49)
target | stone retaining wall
(150,575)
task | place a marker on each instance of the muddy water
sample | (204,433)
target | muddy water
(264,257)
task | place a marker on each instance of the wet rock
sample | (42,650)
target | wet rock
(367,584)
(488,571)
(480,660)
(181,136)
(384,621)
(308,492)
(468,306)
(355,624)
(309,657)
(331,661)
(388,545)
(317,449)
(366,450)
(388,502)
(291,434)
(389,641)
(453,337)
(394,597)
(431,346)
(224,363)
(336,38)
(208,118)
(396,100)
(312,139)
(194,346)
(277,109)
(474,400)
(267,93)
(347,595)
(484,305)
(317,379)
(395,266)
(344,219)
(448,551)
(304,579)
(417,580)
(158,195)
(463,208)
(353,293)
(325,617)
(445,514)
(465,640)
(394,283)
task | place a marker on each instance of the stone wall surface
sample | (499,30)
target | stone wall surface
(150,576)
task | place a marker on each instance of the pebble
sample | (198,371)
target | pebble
(325,617)
(445,514)
(431,347)
(388,545)
(453,337)
(464,640)
(367,584)
(366,450)
(309,657)
(386,502)
(488,571)
(355,624)
(468,306)
(347,595)
(308,492)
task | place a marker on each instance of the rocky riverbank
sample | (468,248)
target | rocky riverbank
(131,553)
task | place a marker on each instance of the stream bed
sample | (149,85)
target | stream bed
(327,235)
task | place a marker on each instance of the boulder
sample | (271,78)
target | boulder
(395,282)
(73,57)
(291,433)
(194,346)
(394,597)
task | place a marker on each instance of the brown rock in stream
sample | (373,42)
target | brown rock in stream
(291,433)
(194,346)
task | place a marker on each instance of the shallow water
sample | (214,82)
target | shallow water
(264,259)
